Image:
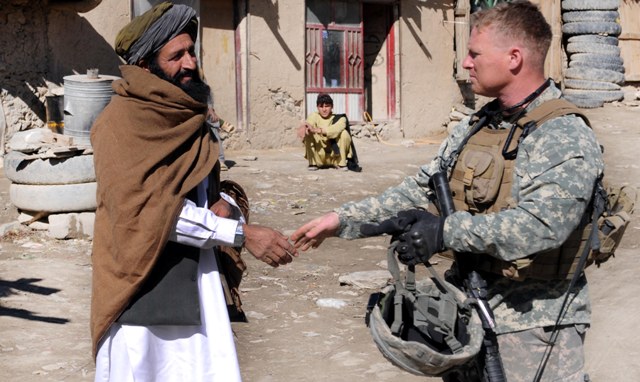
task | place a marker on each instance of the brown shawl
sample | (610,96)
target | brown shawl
(151,147)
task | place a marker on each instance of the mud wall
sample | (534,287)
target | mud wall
(275,71)
(427,86)
(43,41)
(218,54)
(23,69)
(261,69)
(82,40)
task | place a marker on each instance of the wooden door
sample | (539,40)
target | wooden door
(629,39)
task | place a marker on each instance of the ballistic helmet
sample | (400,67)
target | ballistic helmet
(425,328)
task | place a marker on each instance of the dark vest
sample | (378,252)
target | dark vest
(170,295)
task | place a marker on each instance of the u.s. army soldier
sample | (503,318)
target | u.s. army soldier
(520,200)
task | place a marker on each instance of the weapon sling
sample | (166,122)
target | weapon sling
(599,201)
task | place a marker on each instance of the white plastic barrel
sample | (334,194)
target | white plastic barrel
(84,98)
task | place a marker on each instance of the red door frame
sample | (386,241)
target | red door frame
(391,65)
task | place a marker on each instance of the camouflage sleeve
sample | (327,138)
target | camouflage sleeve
(555,171)
(413,192)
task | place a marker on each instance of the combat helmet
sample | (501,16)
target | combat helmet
(426,328)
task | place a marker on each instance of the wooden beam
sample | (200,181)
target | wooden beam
(461,27)
(551,9)
(629,36)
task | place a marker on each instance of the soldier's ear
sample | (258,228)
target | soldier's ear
(515,58)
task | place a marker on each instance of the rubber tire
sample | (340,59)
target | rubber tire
(583,102)
(54,198)
(589,27)
(590,85)
(71,170)
(572,17)
(585,47)
(597,58)
(592,74)
(603,95)
(594,39)
(590,5)
(595,65)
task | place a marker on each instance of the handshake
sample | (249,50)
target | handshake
(418,233)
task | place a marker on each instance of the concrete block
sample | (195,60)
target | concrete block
(36,221)
(72,225)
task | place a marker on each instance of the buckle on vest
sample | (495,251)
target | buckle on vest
(468,176)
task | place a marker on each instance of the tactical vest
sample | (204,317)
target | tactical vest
(481,182)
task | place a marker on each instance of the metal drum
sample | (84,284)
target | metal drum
(84,98)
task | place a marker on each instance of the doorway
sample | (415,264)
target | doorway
(379,60)
(350,55)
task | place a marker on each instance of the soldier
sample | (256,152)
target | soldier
(520,200)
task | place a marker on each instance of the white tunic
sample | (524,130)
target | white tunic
(181,353)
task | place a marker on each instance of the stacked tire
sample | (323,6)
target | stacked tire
(51,185)
(596,71)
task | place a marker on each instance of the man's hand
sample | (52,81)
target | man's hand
(303,130)
(222,209)
(306,129)
(313,233)
(268,245)
(212,116)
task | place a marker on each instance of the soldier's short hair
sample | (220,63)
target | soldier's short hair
(518,20)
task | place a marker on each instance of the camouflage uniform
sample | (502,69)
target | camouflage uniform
(555,170)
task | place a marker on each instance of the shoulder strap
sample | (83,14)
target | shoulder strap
(549,110)
(535,118)
(477,121)
(528,123)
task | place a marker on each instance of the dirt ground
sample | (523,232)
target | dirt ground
(45,283)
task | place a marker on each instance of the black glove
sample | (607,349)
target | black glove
(395,225)
(421,240)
